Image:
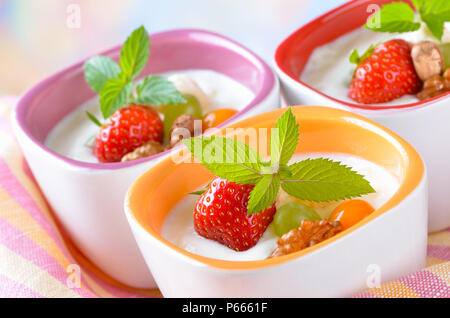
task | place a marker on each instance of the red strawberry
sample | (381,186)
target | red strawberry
(385,75)
(221,215)
(129,129)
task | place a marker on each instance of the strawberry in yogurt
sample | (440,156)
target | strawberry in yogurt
(403,59)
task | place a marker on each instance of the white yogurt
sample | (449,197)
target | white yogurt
(179,229)
(73,136)
(329,71)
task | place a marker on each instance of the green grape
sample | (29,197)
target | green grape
(291,215)
(173,111)
(445,49)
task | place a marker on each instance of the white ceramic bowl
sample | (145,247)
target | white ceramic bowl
(391,242)
(425,124)
(88,198)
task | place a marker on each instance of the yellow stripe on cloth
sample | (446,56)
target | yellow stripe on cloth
(31,276)
(439,238)
(393,289)
(441,270)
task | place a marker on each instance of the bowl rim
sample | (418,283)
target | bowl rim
(318,23)
(414,178)
(269,85)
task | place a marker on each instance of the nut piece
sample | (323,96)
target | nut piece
(435,86)
(428,59)
(148,149)
(308,234)
(182,127)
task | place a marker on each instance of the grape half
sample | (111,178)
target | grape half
(291,215)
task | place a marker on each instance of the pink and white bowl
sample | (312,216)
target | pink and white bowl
(424,124)
(87,198)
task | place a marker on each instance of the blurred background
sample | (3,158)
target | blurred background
(40,37)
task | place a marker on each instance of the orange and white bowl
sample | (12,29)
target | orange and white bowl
(389,243)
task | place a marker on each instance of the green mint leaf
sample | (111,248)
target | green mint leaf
(114,95)
(445,48)
(323,180)
(434,13)
(418,4)
(90,142)
(199,192)
(264,193)
(94,119)
(394,17)
(135,53)
(227,158)
(356,59)
(435,25)
(284,139)
(157,90)
(98,70)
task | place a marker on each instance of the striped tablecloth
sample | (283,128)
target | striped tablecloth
(37,261)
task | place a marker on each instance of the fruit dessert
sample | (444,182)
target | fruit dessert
(406,57)
(256,209)
(135,118)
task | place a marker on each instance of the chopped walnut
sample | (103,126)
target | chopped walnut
(308,234)
(428,59)
(148,149)
(182,127)
(435,86)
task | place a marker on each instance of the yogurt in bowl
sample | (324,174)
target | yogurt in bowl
(179,228)
(334,267)
(306,80)
(74,135)
(86,195)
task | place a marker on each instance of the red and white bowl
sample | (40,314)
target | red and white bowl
(426,124)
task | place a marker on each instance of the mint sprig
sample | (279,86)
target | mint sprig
(400,17)
(114,82)
(318,180)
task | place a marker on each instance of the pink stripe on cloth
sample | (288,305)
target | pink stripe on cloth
(15,190)
(439,251)
(426,284)
(18,242)
(13,289)
(365,295)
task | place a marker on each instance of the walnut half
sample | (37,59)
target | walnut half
(308,234)
(428,59)
(182,127)
(148,149)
